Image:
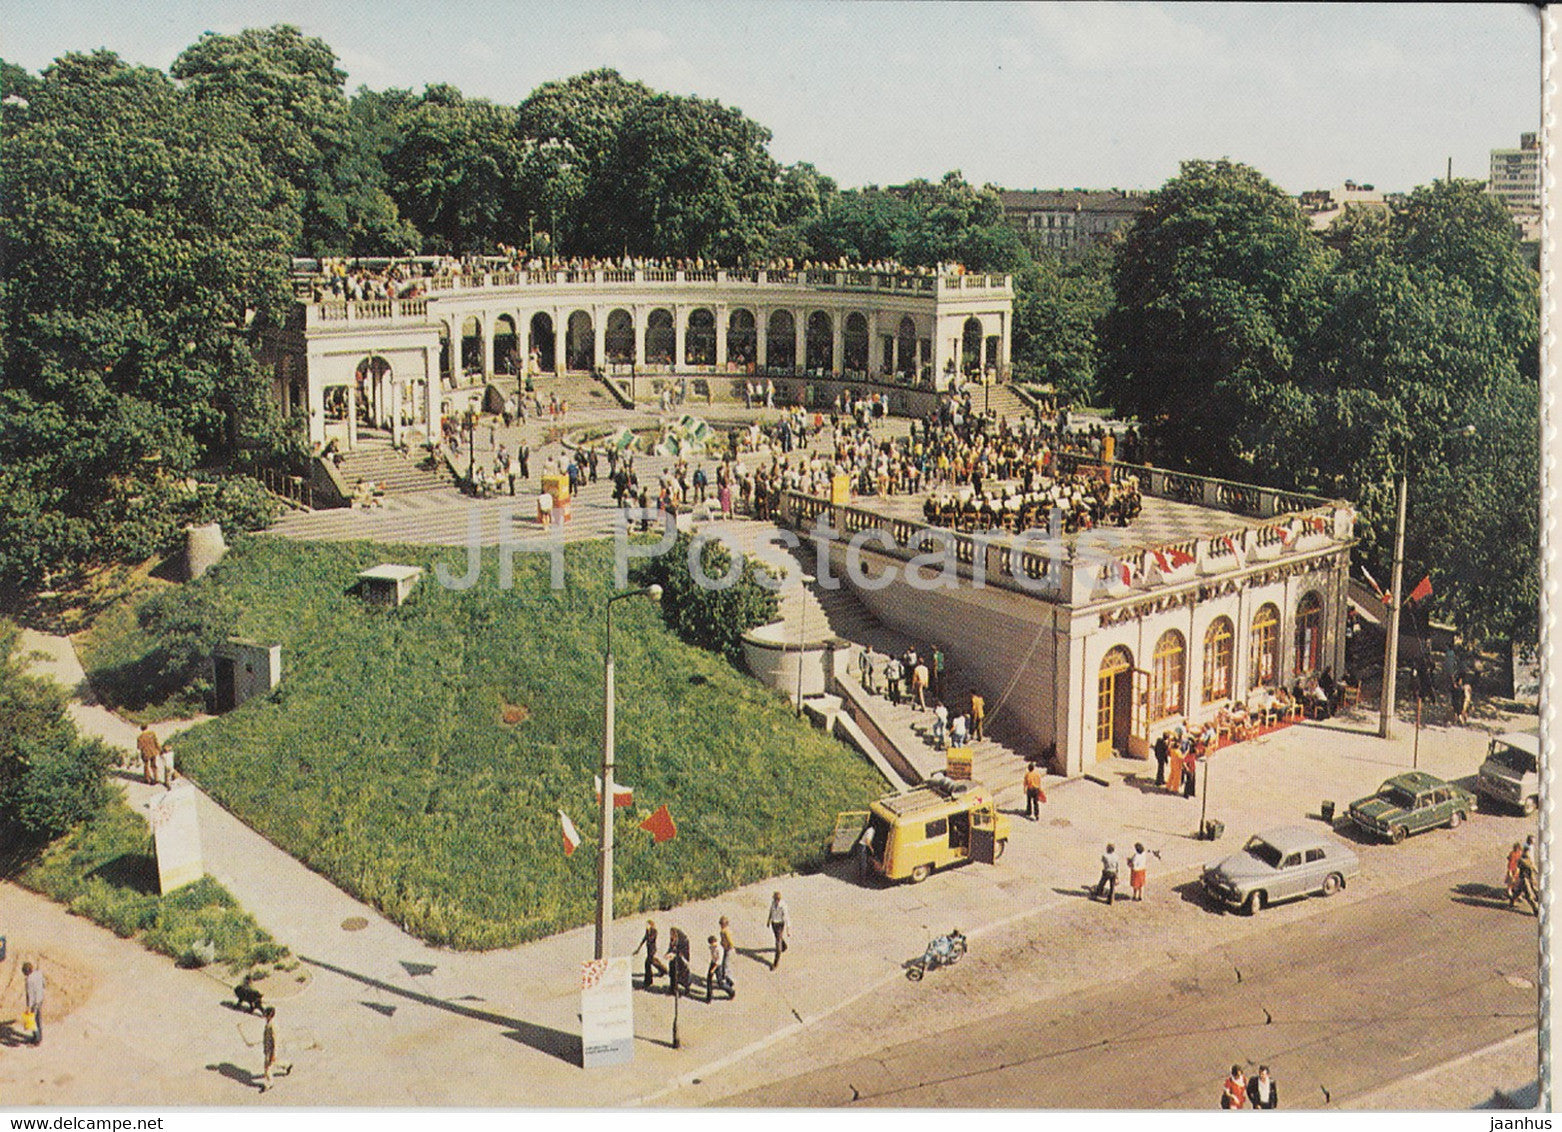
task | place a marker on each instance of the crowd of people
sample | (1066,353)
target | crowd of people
(409,277)
(678,965)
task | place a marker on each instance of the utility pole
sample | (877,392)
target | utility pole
(1391,645)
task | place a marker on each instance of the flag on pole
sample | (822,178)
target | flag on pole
(1379,590)
(622,795)
(1423,589)
(660,825)
(1289,532)
(1125,573)
(1179,557)
(1162,563)
(571,838)
(1236,551)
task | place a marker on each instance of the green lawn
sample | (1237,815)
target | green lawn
(113,651)
(384,761)
(105,870)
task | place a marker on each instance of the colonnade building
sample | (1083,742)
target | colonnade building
(400,359)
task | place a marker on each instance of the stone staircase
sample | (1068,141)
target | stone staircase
(1003,400)
(395,473)
(997,761)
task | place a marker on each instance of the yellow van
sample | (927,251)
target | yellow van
(941,822)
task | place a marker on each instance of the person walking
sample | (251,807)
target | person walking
(978,715)
(1190,766)
(938,672)
(728,948)
(678,961)
(1137,867)
(1526,888)
(268,1047)
(778,920)
(959,731)
(1262,1092)
(653,962)
(894,676)
(1034,796)
(32,986)
(865,669)
(1161,751)
(1466,696)
(165,768)
(151,750)
(1233,1093)
(1110,864)
(1511,882)
(1174,771)
(919,684)
(713,972)
(940,726)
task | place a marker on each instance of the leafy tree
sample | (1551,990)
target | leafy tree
(288,93)
(686,177)
(143,239)
(454,170)
(187,623)
(1058,302)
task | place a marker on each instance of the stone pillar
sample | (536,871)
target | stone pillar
(352,413)
(639,315)
(486,329)
(432,391)
(761,336)
(680,332)
(395,407)
(599,338)
(875,349)
(800,339)
(722,314)
(457,367)
(895,354)
(559,339)
(315,396)
(838,343)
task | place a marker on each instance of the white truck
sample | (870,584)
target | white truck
(1510,776)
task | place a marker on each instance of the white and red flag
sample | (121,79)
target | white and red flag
(1236,551)
(622,795)
(571,837)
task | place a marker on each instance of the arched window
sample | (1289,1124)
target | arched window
(906,338)
(741,337)
(971,346)
(1218,652)
(1264,664)
(819,340)
(781,340)
(1309,633)
(1166,675)
(854,343)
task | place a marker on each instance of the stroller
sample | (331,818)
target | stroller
(945,951)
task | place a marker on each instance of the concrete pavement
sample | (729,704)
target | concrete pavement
(384,1019)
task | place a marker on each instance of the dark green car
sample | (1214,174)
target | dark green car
(1409,803)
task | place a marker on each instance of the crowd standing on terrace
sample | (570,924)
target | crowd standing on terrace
(342,278)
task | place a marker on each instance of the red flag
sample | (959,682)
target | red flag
(571,838)
(1423,589)
(1180,557)
(622,795)
(1161,562)
(660,825)
(1125,573)
(1236,551)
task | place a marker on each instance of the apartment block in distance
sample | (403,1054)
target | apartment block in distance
(1064,219)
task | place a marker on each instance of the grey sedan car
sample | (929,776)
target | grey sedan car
(1279,864)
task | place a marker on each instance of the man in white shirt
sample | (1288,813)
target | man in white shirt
(1111,863)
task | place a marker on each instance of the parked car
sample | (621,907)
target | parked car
(1409,803)
(1280,864)
(1510,776)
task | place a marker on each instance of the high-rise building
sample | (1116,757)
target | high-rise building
(1515,175)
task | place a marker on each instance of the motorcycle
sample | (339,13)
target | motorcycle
(945,951)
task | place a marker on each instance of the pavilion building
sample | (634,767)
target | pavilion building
(1095,643)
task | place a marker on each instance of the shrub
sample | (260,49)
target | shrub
(239,503)
(186,624)
(64,786)
(712,617)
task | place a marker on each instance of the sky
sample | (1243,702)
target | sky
(1019,95)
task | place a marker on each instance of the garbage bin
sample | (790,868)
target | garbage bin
(1214,829)
(1326,812)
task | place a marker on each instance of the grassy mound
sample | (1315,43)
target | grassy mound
(418,757)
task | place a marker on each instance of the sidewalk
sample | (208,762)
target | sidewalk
(385,1019)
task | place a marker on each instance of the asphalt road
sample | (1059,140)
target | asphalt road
(1337,1004)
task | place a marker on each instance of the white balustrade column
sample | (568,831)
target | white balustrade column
(315,395)
(838,344)
(559,340)
(486,329)
(639,317)
(395,408)
(761,336)
(352,414)
(680,334)
(431,389)
(800,331)
(722,314)
(599,335)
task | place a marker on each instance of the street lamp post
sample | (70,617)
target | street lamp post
(805,581)
(605,851)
